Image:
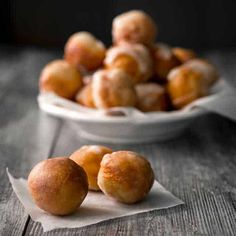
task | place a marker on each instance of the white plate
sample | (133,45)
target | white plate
(134,127)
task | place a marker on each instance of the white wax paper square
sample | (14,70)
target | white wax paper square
(96,207)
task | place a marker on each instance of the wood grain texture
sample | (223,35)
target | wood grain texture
(195,167)
(26,135)
(198,167)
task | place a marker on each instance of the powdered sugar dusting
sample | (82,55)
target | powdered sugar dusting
(136,51)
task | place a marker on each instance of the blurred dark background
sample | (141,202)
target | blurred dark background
(189,23)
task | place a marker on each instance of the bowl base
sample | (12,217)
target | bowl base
(130,140)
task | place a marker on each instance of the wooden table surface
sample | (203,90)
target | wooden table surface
(199,167)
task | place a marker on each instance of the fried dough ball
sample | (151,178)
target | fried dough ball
(164,60)
(183,54)
(134,27)
(134,59)
(185,85)
(61,78)
(125,176)
(203,66)
(151,97)
(85,97)
(84,51)
(113,88)
(58,185)
(89,158)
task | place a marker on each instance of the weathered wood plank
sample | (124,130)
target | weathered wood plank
(197,167)
(26,134)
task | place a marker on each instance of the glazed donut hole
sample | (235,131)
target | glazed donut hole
(134,72)
(125,176)
(164,61)
(134,27)
(127,63)
(113,88)
(89,158)
(151,97)
(58,185)
(185,85)
(134,59)
(60,78)
(84,51)
(209,71)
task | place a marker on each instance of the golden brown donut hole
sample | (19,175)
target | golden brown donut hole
(84,51)
(151,97)
(60,78)
(185,85)
(58,185)
(126,63)
(85,96)
(134,59)
(89,157)
(208,70)
(125,176)
(113,88)
(134,27)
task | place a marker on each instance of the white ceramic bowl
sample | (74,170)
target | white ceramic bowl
(133,127)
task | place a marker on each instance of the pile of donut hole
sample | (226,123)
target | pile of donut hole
(135,71)
(59,185)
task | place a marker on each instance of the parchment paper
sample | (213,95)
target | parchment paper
(96,207)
